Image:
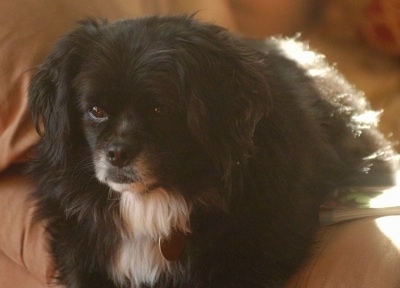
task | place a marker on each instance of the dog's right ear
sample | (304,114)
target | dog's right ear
(51,99)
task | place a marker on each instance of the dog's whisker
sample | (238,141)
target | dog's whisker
(85,165)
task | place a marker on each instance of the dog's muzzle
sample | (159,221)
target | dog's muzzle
(120,154)
(124,167)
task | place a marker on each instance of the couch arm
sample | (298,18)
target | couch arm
(24,261)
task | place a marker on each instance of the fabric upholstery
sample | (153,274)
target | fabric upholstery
(355,254)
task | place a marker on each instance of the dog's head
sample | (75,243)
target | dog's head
(159,101)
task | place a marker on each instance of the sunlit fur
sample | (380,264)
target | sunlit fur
(164,124)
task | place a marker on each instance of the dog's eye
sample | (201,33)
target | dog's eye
(97,113)
(160,111)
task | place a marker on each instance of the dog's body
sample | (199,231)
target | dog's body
(159,127)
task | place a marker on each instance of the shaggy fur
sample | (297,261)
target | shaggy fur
(165,124)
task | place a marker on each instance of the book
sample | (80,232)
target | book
(360,202)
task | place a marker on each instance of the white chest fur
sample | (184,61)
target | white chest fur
(148,217)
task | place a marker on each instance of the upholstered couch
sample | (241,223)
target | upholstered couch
(362,253)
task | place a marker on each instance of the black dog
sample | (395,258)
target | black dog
(176,155)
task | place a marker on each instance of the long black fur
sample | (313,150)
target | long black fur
(238,118)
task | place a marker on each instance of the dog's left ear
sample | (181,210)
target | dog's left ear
(51,99)
(228,95)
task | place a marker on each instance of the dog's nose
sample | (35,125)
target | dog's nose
(119,154)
